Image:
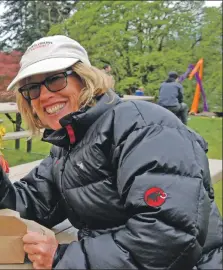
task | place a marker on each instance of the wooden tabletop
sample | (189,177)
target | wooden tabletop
(19,171)
(132,97)
(8,107)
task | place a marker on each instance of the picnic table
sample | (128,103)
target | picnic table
(8,108)
(64,232)
(132,97)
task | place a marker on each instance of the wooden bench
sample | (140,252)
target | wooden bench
(19,135)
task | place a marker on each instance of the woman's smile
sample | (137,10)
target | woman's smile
(55,108)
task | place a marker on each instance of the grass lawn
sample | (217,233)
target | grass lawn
(211,130)
(218,194)
(16,157)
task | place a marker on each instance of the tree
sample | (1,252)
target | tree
(210,47)
(137,38)
(26,21)
(141,40)
(22,23)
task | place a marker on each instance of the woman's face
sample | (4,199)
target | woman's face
(52,106)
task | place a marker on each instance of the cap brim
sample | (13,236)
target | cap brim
(44,66)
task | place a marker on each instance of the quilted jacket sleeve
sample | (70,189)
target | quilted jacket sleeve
(159,234)
(35,196)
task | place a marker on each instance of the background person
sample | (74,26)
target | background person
(107,69)
(139,91)
(120,171)
(171,97)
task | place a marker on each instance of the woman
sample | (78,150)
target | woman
(129,175)
(171,97)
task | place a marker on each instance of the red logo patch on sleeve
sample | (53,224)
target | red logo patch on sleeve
(155,196)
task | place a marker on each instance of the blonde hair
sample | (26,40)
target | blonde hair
(95,82)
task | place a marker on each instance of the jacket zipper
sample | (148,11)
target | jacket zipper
(65,159)
(62,170)
(86,230)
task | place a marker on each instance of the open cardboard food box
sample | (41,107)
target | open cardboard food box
(12,230)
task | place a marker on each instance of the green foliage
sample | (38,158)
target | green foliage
(24,21)
(211,47)
(143,40)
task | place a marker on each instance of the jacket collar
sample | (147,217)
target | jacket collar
(77,123)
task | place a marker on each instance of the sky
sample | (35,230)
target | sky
(209,3)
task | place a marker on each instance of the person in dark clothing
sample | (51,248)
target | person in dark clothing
(171,97)
(129,175)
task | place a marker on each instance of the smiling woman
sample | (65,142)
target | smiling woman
(48,92)
(47,99)
(120,171)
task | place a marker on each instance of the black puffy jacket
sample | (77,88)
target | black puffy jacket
(134,180)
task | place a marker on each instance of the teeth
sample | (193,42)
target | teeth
(55,108)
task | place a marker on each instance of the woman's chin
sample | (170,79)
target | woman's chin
(55,125)
(54,122)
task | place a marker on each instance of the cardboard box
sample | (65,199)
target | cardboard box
(12,230)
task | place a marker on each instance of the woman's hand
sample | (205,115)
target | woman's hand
(40,249)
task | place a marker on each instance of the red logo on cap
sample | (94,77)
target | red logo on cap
(155,196)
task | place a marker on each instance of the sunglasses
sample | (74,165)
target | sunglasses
(53,83)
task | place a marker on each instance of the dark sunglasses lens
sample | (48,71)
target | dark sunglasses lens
(34,93)
(31,91)
(56,82)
